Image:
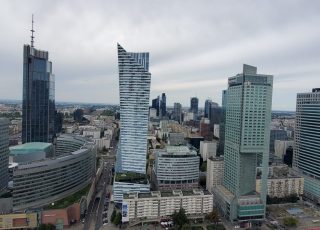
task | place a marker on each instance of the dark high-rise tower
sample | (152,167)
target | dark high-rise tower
(177,112)
(194,102)
(38,103)
(156,105)
(163,105)
(207,108)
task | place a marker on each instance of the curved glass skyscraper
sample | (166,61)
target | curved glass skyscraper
(134,83)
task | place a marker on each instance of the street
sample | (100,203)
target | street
(94,219)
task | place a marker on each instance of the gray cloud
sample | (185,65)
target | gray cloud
(194,45)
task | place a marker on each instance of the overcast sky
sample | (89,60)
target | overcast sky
(194,45)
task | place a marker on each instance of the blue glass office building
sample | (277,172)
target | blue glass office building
(38,103)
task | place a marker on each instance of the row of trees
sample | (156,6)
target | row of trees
(181,221)
(293,198)
(116,217)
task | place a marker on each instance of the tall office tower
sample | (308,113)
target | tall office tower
(306,157)
(215,113)
(134,82)
(207,108)
(222,123)
(163,105)
(194,103)
(177,111)
(156,105)
(38,103)
(4,153)
(248,117)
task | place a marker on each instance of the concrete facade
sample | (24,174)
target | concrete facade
(208,149)
(176,167)
(282,187)
(215,169)
(157,204)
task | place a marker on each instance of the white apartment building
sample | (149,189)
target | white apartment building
(158,204)
(216,130)
(215,168)
(189,116)
(281,187)
(208,149)
(281,146)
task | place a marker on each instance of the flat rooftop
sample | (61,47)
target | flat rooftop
(30,147)
(131,177)
(158,194)
(177,150)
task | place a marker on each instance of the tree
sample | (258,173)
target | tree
(202,181)
(117,219)
(180,218)
(46,227)
(213,216)
(290,221)
(113,215)
(203,167)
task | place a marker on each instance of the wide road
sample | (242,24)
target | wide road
(93,219)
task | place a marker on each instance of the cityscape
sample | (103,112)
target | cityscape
(163,143)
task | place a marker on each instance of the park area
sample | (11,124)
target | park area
(294,216)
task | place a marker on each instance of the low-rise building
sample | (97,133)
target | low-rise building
(281,147)
(176,167)
(32,151)
(103,142)
(208,149)
(215,169)
(19,221)
(41,182)
(156,205)
(176,139)
(248,206)
(129,182)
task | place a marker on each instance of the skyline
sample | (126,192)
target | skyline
(194,48)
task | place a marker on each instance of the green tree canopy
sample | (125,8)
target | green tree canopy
(113,215)
(180,218)
(290,221)
(213,216)
(117,219)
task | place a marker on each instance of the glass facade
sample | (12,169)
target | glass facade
(306,157)
(194,103)
(38,102)
(4,153)
(248,116)
(177,112)
(134,82)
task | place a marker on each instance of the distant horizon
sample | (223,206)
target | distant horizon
(97,103)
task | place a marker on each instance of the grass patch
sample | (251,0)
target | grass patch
(216,227)
(131,177)
(69,200)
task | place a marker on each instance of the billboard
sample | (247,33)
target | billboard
(125,214)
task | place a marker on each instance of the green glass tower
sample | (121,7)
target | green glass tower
(248,116)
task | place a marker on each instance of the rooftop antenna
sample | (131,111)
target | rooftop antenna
(32,31)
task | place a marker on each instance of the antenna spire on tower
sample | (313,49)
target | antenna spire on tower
(32,31)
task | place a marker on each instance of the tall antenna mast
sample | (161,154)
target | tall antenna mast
(32,31)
